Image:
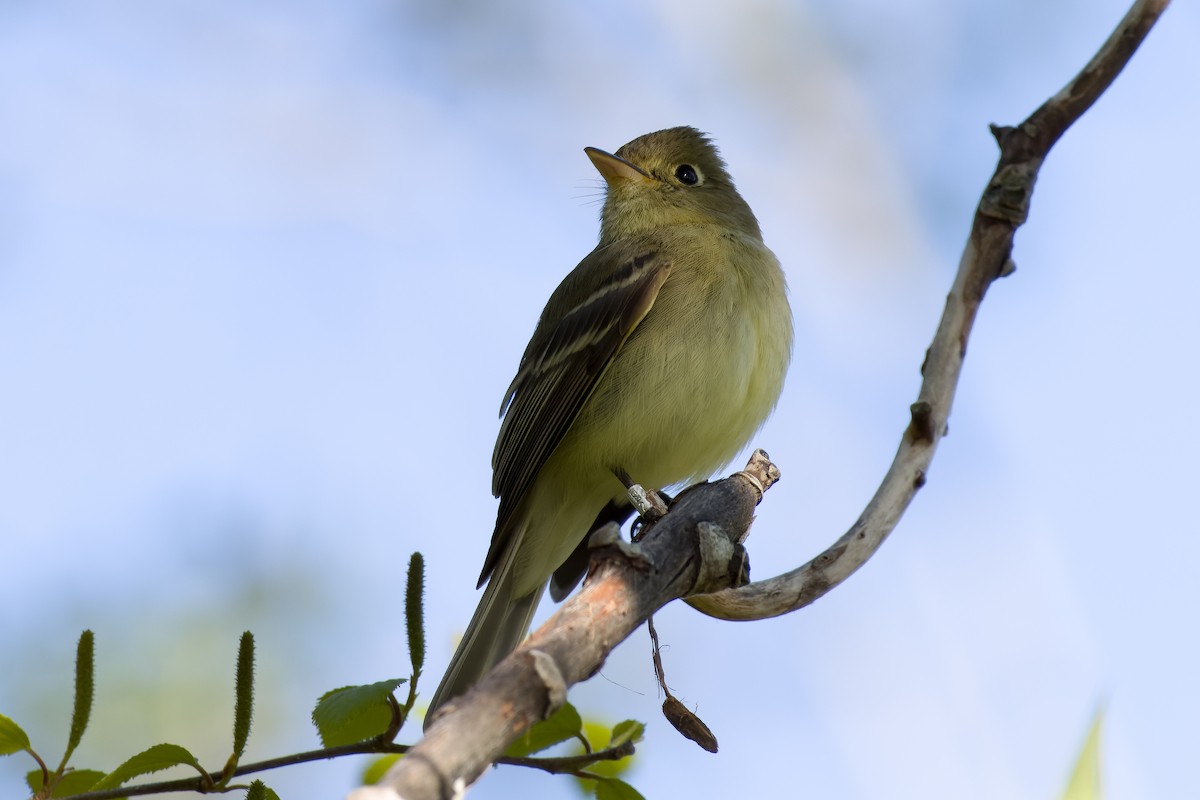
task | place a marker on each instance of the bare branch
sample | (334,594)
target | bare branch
(987,256)
(694,548)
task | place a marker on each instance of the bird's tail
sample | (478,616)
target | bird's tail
(498,626)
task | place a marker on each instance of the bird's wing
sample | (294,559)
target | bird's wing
(564,361)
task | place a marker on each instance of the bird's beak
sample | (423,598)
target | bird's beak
(613,168)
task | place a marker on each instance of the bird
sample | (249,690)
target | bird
(654,362)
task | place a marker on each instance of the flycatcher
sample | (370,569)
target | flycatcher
(654,361)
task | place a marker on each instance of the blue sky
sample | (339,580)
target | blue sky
(266,270)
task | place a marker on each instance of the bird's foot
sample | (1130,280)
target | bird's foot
(650,505)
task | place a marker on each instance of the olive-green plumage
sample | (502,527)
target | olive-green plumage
(658,357)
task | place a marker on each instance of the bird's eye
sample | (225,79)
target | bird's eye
(687,175)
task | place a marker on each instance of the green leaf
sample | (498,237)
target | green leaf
(12,738)
(75,781)
(260,791)
(602,737)
(354,713)
(85,687)
(158,757)
(616,789)
(1085,778)
(560,726)
(628,731)
(377,768)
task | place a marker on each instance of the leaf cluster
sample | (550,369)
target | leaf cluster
(349,720)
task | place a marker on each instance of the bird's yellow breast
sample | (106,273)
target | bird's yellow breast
(702,371)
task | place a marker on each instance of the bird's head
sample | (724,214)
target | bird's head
(669,177)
